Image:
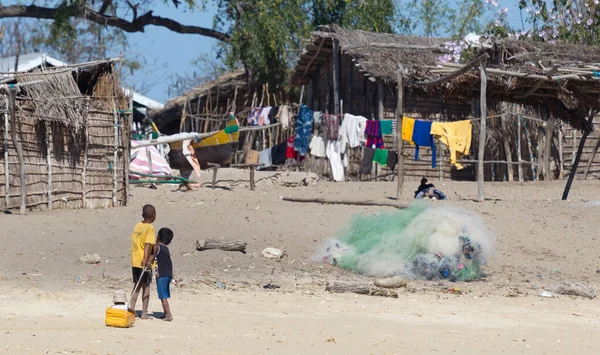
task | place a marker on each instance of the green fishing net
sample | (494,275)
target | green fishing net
(419,242)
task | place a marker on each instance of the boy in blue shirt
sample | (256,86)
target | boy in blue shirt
(164,273)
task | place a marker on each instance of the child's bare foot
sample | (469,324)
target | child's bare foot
(144,316)
(167,318)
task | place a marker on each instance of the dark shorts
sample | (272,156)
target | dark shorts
(136,272)
(163,287)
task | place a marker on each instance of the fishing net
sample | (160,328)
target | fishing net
(420,242)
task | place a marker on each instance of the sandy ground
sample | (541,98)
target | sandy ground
(54,304)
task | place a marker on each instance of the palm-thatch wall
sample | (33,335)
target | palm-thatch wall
(73,135)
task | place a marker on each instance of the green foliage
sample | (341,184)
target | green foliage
(267,36)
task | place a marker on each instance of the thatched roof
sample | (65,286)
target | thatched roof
(564,78)
(66,94)
(224,87)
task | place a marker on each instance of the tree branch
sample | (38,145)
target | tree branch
(105,5)
(137,25)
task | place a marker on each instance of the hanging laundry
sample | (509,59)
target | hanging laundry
(367,161)
(332,125)
(254,116)
(278,153)
(304,123)
(265,157)
(352,131)
(263,120)
(317,146)
(334,154)
(392,160)
(290,152)
(273,114)
(423,138)
(386,127)
(283,114)
(373,134)
(381,157)
(457,136)
(317,118)
(408,126)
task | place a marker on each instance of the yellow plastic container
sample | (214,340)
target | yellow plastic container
(119,318)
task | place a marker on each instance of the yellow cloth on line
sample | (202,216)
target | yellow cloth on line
(408,126)
(457,136)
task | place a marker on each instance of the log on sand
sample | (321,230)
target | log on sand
(359,288)
(225,245)
(390,282)
(344,202)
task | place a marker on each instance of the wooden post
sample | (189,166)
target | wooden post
(6,166)
(127,146)
(561,151)
(506,141)
(519,159)
(399,143)
(440,159)
(591,160)
(19,148)
(483,104)
(380,94)
(115,153)
(301,96)
(336,76)
(549,138)
(84,171)
(252,186)
(574,152)
(49,162)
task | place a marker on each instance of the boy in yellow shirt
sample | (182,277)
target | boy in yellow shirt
(143,239)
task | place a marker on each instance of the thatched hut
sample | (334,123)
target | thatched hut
(364,72)
(66,138)
(205,104)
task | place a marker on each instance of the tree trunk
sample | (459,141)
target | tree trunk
(233,245)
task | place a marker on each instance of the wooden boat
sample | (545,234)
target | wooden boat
(218,148)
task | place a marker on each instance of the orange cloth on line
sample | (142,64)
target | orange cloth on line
(408,126)
(457,136)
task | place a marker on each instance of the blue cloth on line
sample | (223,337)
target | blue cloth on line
(423,138)
(304,123)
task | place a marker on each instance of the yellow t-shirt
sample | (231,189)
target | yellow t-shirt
(142,233)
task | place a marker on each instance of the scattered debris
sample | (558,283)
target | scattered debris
(330,340)
(573,289)
(232,245)
(391,282)
(358,288)
(91,259)
(270,286)
(546,294)
(456,291)
(220,285)
(272,253)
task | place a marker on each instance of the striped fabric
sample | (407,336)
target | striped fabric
(140,164)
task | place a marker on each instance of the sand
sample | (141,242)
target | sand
(55,304)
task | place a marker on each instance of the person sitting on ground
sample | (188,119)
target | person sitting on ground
(429,191)
(164,272)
